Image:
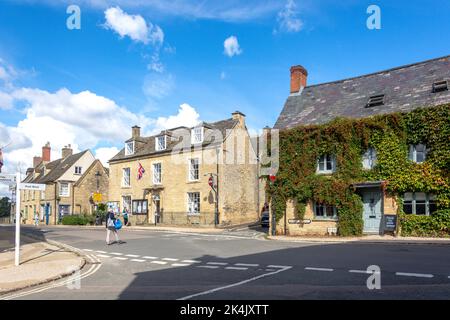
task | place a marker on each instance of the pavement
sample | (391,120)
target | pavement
(237,265)
(40,262)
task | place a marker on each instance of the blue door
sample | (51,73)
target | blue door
(372,212)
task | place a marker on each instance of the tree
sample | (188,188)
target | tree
(5,207)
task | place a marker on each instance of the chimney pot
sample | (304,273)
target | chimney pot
(66,151)
(46,152)
(299,77)
(136,132)
(36,161)
(239,116)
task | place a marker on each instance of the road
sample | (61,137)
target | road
(237,266)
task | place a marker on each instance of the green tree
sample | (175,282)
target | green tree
(5,207)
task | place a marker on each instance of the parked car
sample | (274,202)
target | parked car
(265,219)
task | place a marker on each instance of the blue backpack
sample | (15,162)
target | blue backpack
(118,224)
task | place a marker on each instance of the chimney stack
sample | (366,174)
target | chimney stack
(46,150)
(36,161)
(66,151)
(299,76)
(239,116)
(136,132)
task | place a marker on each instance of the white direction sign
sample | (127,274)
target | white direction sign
(7,178)
(32,186)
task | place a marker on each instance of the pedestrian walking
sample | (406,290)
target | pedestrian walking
(125,217)
(36,219)
(111,227)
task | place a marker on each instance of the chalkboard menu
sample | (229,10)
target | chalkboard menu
(390,222)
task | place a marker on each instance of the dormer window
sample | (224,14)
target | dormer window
(197,135)
(129,148)
(326,164)
(374,101)
(160,143)
(417,153)
(439,86)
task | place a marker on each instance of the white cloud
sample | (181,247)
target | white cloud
(6,101)
(133,26)
(232,47)
(105,154)
(187,116)
(288,19)
(157,86)
(156,65)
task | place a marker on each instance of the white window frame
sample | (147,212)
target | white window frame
(154,174)
(428,197)
(192,198)
(195,134)
(369,159)
(42,195)
(124,184)
(326,158)
(139,207)
(129,151)
(158,146)
(412,155)
(191,171)
(78,170)
(61,193)
(324,217)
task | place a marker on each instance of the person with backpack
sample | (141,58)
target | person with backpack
(111,223)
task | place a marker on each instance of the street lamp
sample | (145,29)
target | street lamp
(214,184)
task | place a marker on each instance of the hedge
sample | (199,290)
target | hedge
(436,225)
(78,220)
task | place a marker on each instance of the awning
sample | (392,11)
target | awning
(369,184)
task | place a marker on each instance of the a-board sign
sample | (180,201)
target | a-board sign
(390,222)
(298,221)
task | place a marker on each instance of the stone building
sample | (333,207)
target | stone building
(165,178)
(70,181)
(402,89)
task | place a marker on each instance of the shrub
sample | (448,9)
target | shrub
(77,220)
(436,225)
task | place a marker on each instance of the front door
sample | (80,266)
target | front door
(372,212)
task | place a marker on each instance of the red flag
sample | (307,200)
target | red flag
(141,171)
(1,160)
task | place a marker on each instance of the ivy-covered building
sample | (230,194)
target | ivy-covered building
(366,155)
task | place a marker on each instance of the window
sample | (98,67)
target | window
(197,135)
(160,143)
(126,182)
(33,195)
(140,207)
(129,148)
(374,101)
(193,170)
(369,159)
(324,211)
(64,189)
(419,203)
(157,173)
(193,203)
(439,86)
(42,195)
(126,203)
(78,170)
(417,153)
(326,164)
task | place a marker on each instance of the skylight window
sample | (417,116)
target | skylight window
(374,101)
(439,86)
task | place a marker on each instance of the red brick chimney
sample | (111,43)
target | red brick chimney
(299,75)
(46,150)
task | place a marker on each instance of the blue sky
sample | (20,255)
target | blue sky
(87,86)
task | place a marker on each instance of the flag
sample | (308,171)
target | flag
(1,160)
(141,171)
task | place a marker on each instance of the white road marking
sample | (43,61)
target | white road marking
(137,260)
(132,255)
(359,271)
(120,258)
(100,251)
(218,263)
(103,256)
(89,250)
(208,267)
(236,268)
(158,262)
(246,264)
(319,269)
(270,270)
(148,257)
(191,261)
(170,259)
(235,284)
(116,253)
(180,264)
(278,267)
(417,275)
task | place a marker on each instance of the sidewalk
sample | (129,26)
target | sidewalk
(387,239)
(40,263)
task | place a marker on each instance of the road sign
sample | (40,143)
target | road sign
(97,197)
(32,186)
(7,178)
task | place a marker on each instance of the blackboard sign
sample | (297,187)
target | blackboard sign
(390,222)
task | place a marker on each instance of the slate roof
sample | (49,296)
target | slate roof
(405,88)
(58,168)
(147,147)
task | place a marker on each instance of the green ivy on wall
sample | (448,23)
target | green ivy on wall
(348,139)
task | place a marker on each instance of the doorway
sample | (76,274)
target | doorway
(372,210)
